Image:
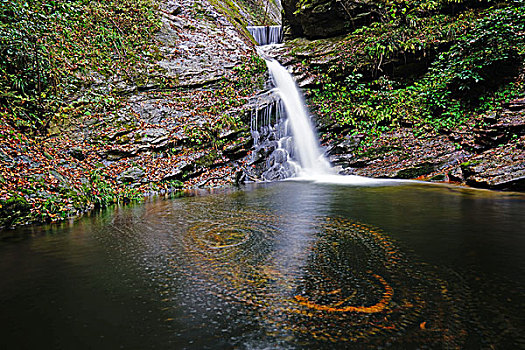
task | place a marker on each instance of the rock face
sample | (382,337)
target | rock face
(326,18)
(400,154)
(500,144)
(177,123)
(492,156)
(372,76)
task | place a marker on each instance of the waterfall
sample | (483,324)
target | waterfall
(272,139)
(265,35)
(311,160)
(283,134)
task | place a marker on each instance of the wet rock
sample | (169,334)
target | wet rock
(456,174)
(230,134)
(77,153)
(348,145)
(267,148)
(415,171)
(348,161)
(505,178)
(240,177)
(238,149)
(280,156)
(131,175)
(179,172)
(439,178)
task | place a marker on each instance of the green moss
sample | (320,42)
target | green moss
(469,164)
(45,56)
(414,172)
(13,211)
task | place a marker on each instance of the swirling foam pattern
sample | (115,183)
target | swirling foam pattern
(316,279)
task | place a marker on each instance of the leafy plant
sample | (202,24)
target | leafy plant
(49,49)
(477,58)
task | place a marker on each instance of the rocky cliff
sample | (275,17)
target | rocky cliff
(420,89)
(128,99)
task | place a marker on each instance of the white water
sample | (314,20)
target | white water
(313,164)
(311,159)
(265,35)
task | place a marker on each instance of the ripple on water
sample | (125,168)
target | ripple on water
(303,281)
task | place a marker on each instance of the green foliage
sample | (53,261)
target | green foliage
(48,49)
(248,78)
(13,211)
(250,74)
(477,61)
(100,193)
(476,70)
(199,135)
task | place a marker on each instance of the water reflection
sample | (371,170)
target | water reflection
(289,265)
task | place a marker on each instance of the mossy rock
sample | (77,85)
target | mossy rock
(13,210)
(466,167)
(415,171)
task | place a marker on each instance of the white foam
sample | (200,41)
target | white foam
(352,180)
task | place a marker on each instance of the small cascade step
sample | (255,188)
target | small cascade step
(266,35)
(267,114)
(272,140)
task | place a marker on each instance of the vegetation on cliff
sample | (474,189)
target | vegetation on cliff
(52,50)
(415,87)
(93,112)
(421,64)
(53,57)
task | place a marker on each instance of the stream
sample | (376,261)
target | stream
(291,265)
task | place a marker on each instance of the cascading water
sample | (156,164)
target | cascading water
(266,35)
(272,139)
(311,160)
(289,143)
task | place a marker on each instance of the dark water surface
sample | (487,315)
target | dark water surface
(288,265)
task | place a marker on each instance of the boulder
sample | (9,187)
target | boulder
(131,175)
(502,168)
(179,172)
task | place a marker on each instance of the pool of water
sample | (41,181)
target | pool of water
(287,265)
